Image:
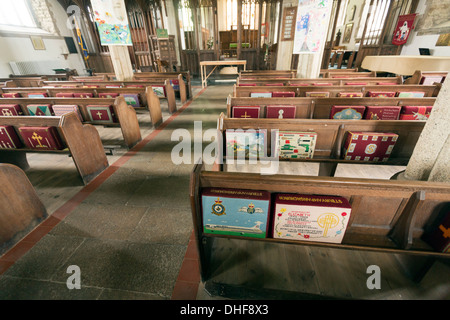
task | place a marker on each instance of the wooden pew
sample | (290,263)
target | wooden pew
(102,86)
(419,77)
(300,91)
(21,210)
(81,142)
(125,114)
(183,77)
(318,81)
(387,216)
(330,137)
(320,108)
(248,74)
(333,74)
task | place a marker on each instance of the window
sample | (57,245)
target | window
(248,15)
(378,12)
(16,13)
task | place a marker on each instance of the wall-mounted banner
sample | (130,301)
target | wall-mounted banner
(112,22)
(313,17)
(403,29)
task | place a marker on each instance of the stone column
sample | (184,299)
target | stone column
(431,156)
(120,58)
(309,64)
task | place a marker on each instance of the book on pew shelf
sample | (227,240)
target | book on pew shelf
(101,113)
(387,83)
(350,94)
(261,94)
(318,94)
(132,99)
(310,217)
(247,84)
(108,95)
(287,94)
(382,112)
(9,138)
(10,110)
(37,95)
(280,111)
(41,138)
(411,94)
(246,112)
(300,84)
(64,95)
(295,145)
(275,84)
(437,233)
(60,109)
(160,91)
(83,95)
(68,86)
(430,80)
(381,94)
(322,84)
(415,112)
(355,83)
(91,86)
(369,146)
(347,112)
(245,144)
(113,86)
(11,95)
(40,109)
(236,212)
(175,84)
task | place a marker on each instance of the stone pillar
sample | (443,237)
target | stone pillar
(120,58)
(430,160)
(309,64)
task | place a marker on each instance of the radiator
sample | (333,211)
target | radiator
(34,67)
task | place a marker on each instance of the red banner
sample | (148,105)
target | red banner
(403,29)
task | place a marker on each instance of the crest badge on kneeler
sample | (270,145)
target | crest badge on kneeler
(101,113)
(10,110)
(9,138)
(132,99)
(40,109)
(42,138)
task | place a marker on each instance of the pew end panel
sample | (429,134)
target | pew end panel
(154,106)
(21,210)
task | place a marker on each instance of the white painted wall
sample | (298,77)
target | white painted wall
(18,46)
(411,48)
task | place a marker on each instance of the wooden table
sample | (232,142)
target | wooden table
(203,65)
(405,65)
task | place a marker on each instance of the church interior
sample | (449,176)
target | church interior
(224,150)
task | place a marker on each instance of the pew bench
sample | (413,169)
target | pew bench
(320,108)
(427,77)
(129,87)
(80,141)
(331,134)
(387,216)
(124,114)
(336,91)
(322,81)
(183,78)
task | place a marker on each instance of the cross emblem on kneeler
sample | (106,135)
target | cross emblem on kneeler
(445,231)
(38,139)
(245,115)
